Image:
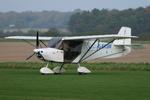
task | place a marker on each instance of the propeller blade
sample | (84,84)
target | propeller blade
(37,40)
(30,56)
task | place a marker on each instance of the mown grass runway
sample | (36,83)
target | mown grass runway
(19,81)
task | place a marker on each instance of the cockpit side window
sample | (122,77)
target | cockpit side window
(72,48)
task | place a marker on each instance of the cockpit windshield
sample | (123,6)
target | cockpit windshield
(54,42)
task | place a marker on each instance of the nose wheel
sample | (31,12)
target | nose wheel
(45,70)
(56,70)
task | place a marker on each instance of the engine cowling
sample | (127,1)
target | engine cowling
(50,54)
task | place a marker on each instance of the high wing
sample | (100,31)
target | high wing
(122,38)
(27,38)
(73,37)
(107,37)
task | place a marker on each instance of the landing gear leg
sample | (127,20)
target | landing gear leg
(45,70)
(82,70)
(59,69)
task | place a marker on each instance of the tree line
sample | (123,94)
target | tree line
(109,21)
(28,19)
(79,22)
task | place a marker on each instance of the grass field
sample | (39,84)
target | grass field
(109,81)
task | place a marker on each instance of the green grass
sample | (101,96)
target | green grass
(22,81)
(92,66)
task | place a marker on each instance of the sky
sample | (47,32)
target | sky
(69,5)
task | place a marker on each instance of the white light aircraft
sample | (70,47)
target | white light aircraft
(76,49)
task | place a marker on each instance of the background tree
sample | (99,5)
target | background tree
(109,21)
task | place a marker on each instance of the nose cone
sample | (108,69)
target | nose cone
(38,53)
(36,50)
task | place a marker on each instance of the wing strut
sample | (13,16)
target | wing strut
(43,43)
(87,51)
(98,50)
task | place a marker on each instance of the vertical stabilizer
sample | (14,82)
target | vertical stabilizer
(125,31)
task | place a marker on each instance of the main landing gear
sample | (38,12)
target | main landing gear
(83,70)
(59,70)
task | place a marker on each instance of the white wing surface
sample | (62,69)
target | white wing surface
(27,38)
(107,37)
(124,33)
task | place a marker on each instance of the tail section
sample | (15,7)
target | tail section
(122,46)
(125,31)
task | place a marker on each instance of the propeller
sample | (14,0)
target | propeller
(37,40)
(30,56)
(37,46)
